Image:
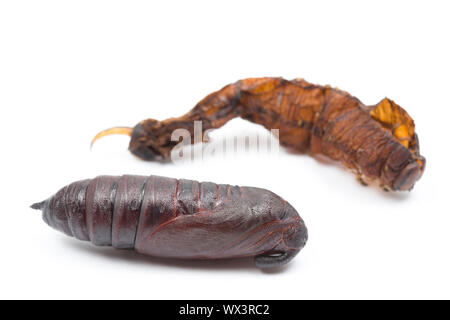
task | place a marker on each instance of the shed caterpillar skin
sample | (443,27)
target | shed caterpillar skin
(171,218)
(377,142)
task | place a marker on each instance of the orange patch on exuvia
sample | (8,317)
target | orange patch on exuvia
(394,118)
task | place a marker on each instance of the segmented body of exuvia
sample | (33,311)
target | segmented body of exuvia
(377,142)
(172,218)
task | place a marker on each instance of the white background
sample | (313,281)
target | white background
(71,68)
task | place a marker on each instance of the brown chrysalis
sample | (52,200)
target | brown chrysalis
(377,142)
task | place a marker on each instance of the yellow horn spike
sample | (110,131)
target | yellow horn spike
(116,130)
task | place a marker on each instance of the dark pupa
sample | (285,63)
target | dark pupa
(165,217)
